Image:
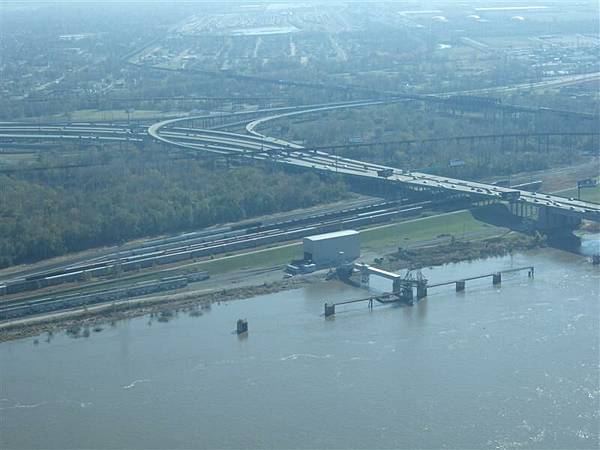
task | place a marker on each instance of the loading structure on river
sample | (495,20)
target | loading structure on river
(406,288)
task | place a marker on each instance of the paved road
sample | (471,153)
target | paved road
(280,151)
(293,154)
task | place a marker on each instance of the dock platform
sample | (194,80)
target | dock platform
(406,296)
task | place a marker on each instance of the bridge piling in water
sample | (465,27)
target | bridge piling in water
(496,278)
(242,326)
(329,309)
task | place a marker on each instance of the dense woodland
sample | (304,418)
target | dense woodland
(57,211)
(416,121)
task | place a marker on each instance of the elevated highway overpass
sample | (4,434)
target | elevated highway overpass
(556,211)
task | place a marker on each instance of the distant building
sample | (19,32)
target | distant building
(331,248)
(75,37)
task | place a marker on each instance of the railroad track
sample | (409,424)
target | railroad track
(13,308)
(205,244)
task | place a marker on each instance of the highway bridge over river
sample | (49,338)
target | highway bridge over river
(552,212)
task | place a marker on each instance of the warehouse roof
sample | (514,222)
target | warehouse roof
(335,234)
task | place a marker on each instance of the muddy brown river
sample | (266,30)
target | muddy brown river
(515,366)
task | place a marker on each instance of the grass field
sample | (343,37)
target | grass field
(260,258)
(384,239)
(458,224)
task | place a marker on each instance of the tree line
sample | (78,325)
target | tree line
(49,214)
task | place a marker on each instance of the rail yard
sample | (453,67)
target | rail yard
(210,243)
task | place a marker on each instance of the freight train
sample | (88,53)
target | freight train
(255,234)
(50,304)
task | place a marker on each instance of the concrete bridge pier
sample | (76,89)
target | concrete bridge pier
(397,286)
(557,225)
(460,286)
(329,310)
(407,294)
(496,278)
(364,277)
(242,326)
(421,291)
(549,219)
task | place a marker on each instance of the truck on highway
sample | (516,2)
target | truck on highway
(385,173)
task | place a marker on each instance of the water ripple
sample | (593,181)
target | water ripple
(132,385)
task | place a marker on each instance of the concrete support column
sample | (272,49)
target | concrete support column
(460,285)
(329,310)
(242,326)
(364,278)
(497,278)
(406,295)
(421,291)
(398,286)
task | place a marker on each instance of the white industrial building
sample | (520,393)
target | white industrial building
(332,248)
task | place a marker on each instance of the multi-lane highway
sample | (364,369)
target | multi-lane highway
(85,132)
(285,152)
(178,133)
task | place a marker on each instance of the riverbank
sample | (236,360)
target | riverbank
(460,251)
(83,322)
(79,323)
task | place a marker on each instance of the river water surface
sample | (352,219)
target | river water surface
(515,366)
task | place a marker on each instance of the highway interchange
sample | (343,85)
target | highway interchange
(295,155)
(258,146)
